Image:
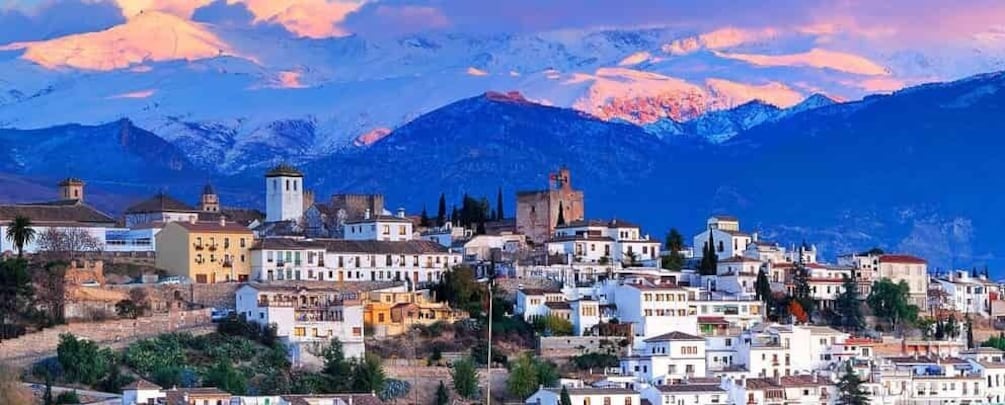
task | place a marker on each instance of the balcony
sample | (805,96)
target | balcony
(228,263)
(198,246)
(212,248)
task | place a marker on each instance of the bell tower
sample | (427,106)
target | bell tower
(209,202)
(71,188)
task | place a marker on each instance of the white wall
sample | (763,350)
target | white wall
(284,199)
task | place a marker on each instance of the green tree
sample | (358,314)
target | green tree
(847,306)
(225,377)
(500,214)
(17,296)
(394,389)
(67,397)
(461,289)
(970,333)
(952,327)
(850,390)
(82,360)
(424,218)
(553,325)
(368,374)
(338,370)
(522,380)
(561,215)
(709,259)
(564,398)
(801,289)
(465,378)
(442,395)
(889,301)
(20,233)
(762,287)
(673,260)
(441,212)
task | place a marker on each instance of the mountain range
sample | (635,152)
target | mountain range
(661,125)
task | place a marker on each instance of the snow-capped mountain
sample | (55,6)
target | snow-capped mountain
(234,98)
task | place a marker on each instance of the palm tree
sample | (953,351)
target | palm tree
(20,233)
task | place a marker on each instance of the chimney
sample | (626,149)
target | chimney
(401,212)
(366,214)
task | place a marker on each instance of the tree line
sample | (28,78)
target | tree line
(472,213)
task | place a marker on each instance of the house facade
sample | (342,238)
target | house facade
(205,252)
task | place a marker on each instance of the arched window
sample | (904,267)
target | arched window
(720,246)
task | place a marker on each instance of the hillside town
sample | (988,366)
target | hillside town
(350,300)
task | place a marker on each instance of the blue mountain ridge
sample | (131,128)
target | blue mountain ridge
(915,171)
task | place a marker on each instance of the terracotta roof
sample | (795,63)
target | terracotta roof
(71,180)
(141,384)
(690,388)
(539,291)
(569,238)
(595,391)
(675,335)
(214,227)
(353,246)
(355,399)
(739,259)
(177,396)
(712,320)
(326,286)
(560,305)
(906,259)
(734,233)
(792,381)
(62,212)
(160,203)
(284,170)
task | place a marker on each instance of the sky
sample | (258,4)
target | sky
(898,22)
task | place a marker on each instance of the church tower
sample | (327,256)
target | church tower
(284,194)
(71,188)
(209,202)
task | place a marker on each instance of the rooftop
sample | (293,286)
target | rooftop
(352,246)
(690,387)
(214,227)
(792,381)
(160,203)
(284,170)
(595,391)
(904,259)
(674,336)
(559,305)
(539,291)
(62,212)
(599,223)
(380,218)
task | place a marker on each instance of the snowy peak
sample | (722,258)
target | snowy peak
(812,102)
(148,37)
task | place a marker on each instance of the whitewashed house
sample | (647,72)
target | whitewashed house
(697,391)
(666,359)
(69,213)
(305,317)
(586,396)
(388,228)
(604,242)
(725,233)
(966,294)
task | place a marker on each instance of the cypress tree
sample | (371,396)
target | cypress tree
(424,218)
(561,215)
(441,213)
(850,390)
(500,214)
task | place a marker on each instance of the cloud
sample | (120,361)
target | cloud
(180,8)
(818,58)
(56,18)
(305,18)
(220,12)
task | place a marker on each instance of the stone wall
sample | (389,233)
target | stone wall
(568,346)
(220,295)
(117,333)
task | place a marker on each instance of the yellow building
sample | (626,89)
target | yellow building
(205,252)
(393,313)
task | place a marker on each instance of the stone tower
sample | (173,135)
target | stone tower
(209,202)
(71,188)
(284,194)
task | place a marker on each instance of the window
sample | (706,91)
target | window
(385,229)
(243,243)
(607,400)
(357,331)
(287,185)
(299,331)
(401,230)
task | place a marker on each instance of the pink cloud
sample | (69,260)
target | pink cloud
(306,18)
(819,58)
(134,94)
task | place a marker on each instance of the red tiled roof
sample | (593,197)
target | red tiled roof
(907,259)
(214,227)
(712,320)
(675,335)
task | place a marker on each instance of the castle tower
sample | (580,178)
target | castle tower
(71,188)
(209,202)
(284,194)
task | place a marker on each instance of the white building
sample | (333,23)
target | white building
(388,228)
(785,390)
(481,247)
(141,392)
(966,294)
(416,262)
(735,275)
(604,242)
(875,265)
(725,233)
(925,380)
(669,358)
(65,215)
(142,238)
(447,234)
(284,194)
(585,396)
(305,317)
(530,302)
(691,392)
(655,309)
